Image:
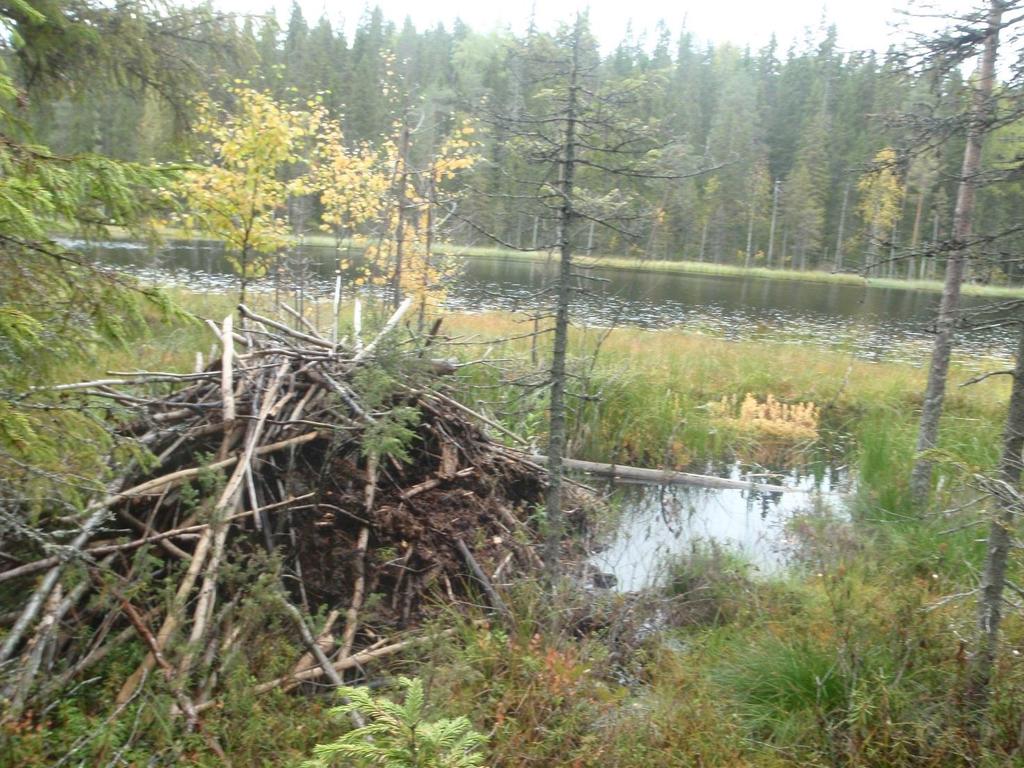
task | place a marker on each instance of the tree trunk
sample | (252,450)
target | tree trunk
(771,228)
(750,230)
(842,225)
(429,254)
(935,392)
(993,579)
(703,239)
(243,280)
(566,218)
(401,180)
(914,268)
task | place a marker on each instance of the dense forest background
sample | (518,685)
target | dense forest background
(800,135)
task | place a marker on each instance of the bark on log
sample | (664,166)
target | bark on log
(664,476)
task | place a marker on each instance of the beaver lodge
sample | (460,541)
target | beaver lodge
(292,473)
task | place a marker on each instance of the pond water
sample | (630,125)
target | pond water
(872,323)
(659,522)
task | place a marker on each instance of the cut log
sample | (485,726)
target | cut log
(664,476)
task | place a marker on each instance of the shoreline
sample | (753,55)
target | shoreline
(681,267)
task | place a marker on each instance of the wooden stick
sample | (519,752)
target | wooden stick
(336,308)
(325,639)
(389,326)
(308,338)
(347,397)
(357,324)
(478,572)
(41,565)
(352,614)
(146,532)
(147,635)
(175,478)
(208,540)
(227,372)
(305,323)
(149,378)
(217,332)
(288,682)
(98,512)
(310,642)
(229,498)
(433,482)
(480,417)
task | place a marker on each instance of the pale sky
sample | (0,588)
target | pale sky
(862,24)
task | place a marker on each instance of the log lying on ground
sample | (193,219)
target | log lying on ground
(664,476)
(276,423)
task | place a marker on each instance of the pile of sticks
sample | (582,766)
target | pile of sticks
(266,480)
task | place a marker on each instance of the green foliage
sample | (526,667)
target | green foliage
(398,736)
(392,433)
(393,428)
(248,145)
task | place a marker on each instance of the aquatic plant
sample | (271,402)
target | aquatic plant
(770,418)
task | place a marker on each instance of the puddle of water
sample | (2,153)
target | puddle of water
(659,522)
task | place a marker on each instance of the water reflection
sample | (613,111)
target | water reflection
(872,323)
(658,522)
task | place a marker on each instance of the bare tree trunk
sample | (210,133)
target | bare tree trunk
(401,180)
(915,238)
(771,228)
(429,254)
(993,580)
(243,279)
(703,238)
(750,231)
(842,225)
(567,216)
(935,392)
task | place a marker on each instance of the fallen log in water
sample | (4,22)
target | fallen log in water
(664,476)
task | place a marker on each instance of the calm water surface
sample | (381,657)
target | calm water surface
(872,323)
(657,523)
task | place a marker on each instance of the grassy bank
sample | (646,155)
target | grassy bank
(854,657)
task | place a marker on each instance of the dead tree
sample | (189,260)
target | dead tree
(582,145)
(1005,491)
(962,43)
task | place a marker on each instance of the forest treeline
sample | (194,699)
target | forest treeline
(815,157)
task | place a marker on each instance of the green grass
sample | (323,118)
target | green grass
(653,397)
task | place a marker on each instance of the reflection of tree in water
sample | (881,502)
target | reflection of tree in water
(657,523)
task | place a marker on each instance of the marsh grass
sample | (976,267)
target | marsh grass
(652,395)
(851,658)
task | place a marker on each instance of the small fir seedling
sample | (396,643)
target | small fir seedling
(397,736)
